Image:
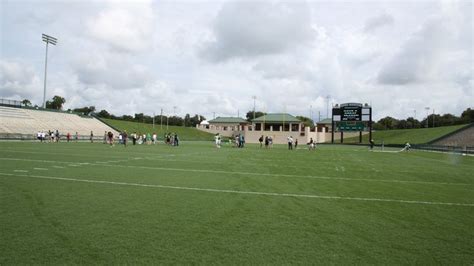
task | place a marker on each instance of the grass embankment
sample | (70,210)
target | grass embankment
(184,133)
(402,136)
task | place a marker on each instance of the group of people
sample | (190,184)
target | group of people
(53,136)
(139,138)
(268,141)
(171,139)
(239,140)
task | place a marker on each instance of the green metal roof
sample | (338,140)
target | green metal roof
(227,120)
(325,121)
(277,118)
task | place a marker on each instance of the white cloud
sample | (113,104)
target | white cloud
(126,27)
(381,20)
(247,29)
(18,80)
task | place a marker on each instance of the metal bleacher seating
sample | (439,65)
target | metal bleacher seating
(29,121)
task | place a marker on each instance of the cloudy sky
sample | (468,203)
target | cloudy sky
(213,56)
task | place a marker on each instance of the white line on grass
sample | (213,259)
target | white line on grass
(41,169)
(258,193)
(20,171)
(103,164)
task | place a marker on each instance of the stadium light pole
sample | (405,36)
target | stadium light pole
(48,40)
(427,114)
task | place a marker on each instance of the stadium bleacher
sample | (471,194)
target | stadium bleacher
(26,122)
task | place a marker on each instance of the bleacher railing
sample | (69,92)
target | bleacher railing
(6,102)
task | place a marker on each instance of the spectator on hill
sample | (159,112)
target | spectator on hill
(68,137)
(267,142)
(296,144)
(261,140)
(77,136)
(92,137)
(105,137)
(154,137)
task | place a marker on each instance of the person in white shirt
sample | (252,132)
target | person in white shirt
(217,139)
(154,138)
(290,143)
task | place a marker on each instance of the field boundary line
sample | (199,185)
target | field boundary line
(104,164)
(258,193)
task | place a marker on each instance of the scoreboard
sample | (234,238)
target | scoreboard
(351,116)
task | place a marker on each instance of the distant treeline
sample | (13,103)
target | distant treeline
(433,120)
(187,121)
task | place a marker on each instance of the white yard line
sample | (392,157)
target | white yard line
(41,169)
(258,193)
(103,164)
(20,171)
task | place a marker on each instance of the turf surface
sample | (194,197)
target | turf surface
(82,203)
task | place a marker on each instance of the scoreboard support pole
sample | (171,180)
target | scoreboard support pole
(332,132)
(342,136)
(360,136)
(370,125)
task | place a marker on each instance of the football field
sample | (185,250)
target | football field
(83,203)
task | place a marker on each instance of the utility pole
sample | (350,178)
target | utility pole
(161,119)
(254,98)
(48,40)
(327,106)
(153,120)
(427,115)
(433,117)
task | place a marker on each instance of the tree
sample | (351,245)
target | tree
(26,102)
(388,122)
(413,123)
(196,119)
(306,121)
(56,103)
(249,115)
(467,116)
(85,110)
(104,114)
(187,120)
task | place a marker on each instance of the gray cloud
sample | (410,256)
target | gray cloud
(379,21)
(246,29)
(17,79)
(421,55)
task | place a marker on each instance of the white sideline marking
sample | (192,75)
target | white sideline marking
(246,192)
(57,166)
(41,169)
(102,164)
(20,171)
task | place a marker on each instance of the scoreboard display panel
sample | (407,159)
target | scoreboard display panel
(351,113)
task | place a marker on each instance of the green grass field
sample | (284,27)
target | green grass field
(402,136)
(184,133)
(83,203)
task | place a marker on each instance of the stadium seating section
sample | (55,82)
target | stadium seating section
(30,121)
(463,137)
